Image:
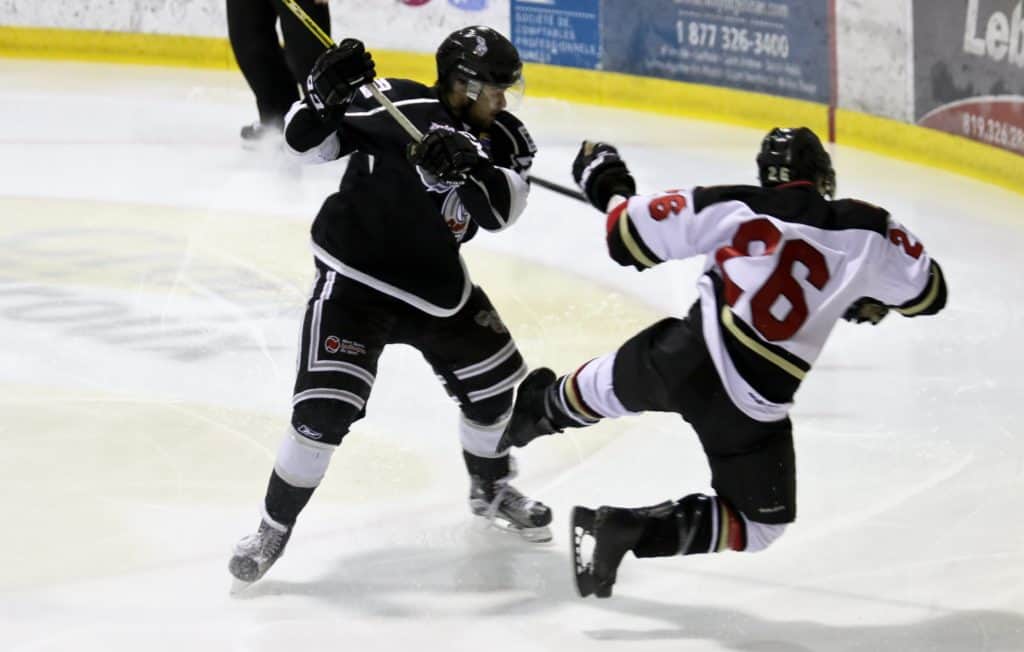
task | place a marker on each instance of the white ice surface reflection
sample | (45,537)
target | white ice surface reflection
(153,276)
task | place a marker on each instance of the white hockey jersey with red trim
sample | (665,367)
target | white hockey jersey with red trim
(783,265)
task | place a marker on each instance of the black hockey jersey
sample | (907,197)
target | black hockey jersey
(390,228)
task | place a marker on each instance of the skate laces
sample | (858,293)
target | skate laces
(511,497)
(507,496)
(267,540)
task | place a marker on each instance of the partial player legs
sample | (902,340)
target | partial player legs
(546,404)
(300,46)
(298,470)
(342,338)
(478,362)
(253,35)
(666,368)
(492,496)
(695,524)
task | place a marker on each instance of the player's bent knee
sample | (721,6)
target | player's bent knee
(324,420)
(302,462)
(762,535)
(490,410)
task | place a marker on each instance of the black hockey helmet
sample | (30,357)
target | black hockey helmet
(478,55)
(795,155)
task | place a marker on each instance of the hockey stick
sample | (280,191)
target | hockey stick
(560,189)
(394,111)
(326,41)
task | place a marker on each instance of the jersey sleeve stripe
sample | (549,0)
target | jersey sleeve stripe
(363,114)
(632,242)
(929,300)
(575,398)
(624,243)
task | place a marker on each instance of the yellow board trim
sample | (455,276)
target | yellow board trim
(758,348)
(932,148)
(116,47)
(889,137)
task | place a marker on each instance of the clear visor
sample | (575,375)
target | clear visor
(494,93)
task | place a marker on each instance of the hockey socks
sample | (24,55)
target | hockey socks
(284,501)
(488,468)
(695,524)
(564,404)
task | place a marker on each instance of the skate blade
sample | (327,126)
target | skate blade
(239,587)
(581,525)
(540,534)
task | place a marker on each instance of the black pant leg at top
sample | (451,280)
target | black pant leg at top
(474,355)
(253,34)
(667,368)
(301,47)
(344,331)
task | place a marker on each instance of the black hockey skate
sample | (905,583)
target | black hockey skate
(614,531)
(255,553)
(509,510)
(529,419)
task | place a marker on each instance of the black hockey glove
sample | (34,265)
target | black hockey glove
(447,155)
(601,173)
(866,309)
(337,75)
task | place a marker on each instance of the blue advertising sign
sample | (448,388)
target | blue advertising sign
(779,47)
(469,5)
(558,32)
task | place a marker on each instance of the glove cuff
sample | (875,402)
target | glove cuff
(330,115)
(605,184)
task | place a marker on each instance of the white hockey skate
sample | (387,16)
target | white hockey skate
(507,509)
(255,553)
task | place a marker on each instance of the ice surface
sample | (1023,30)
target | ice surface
(153,274)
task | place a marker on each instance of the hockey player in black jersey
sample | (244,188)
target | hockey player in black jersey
(784,264)
(386,250)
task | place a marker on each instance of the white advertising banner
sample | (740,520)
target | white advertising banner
(406,25)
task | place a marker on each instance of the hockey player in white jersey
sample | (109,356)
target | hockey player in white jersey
(784,262)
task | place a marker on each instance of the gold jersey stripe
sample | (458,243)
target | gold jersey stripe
(723,527)
(933,291)
(575,401)
(759,348)
(630,242)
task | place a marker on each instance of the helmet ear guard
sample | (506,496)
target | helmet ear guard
(795,154)
(478,56)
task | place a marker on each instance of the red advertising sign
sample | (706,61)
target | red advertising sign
(969,69)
